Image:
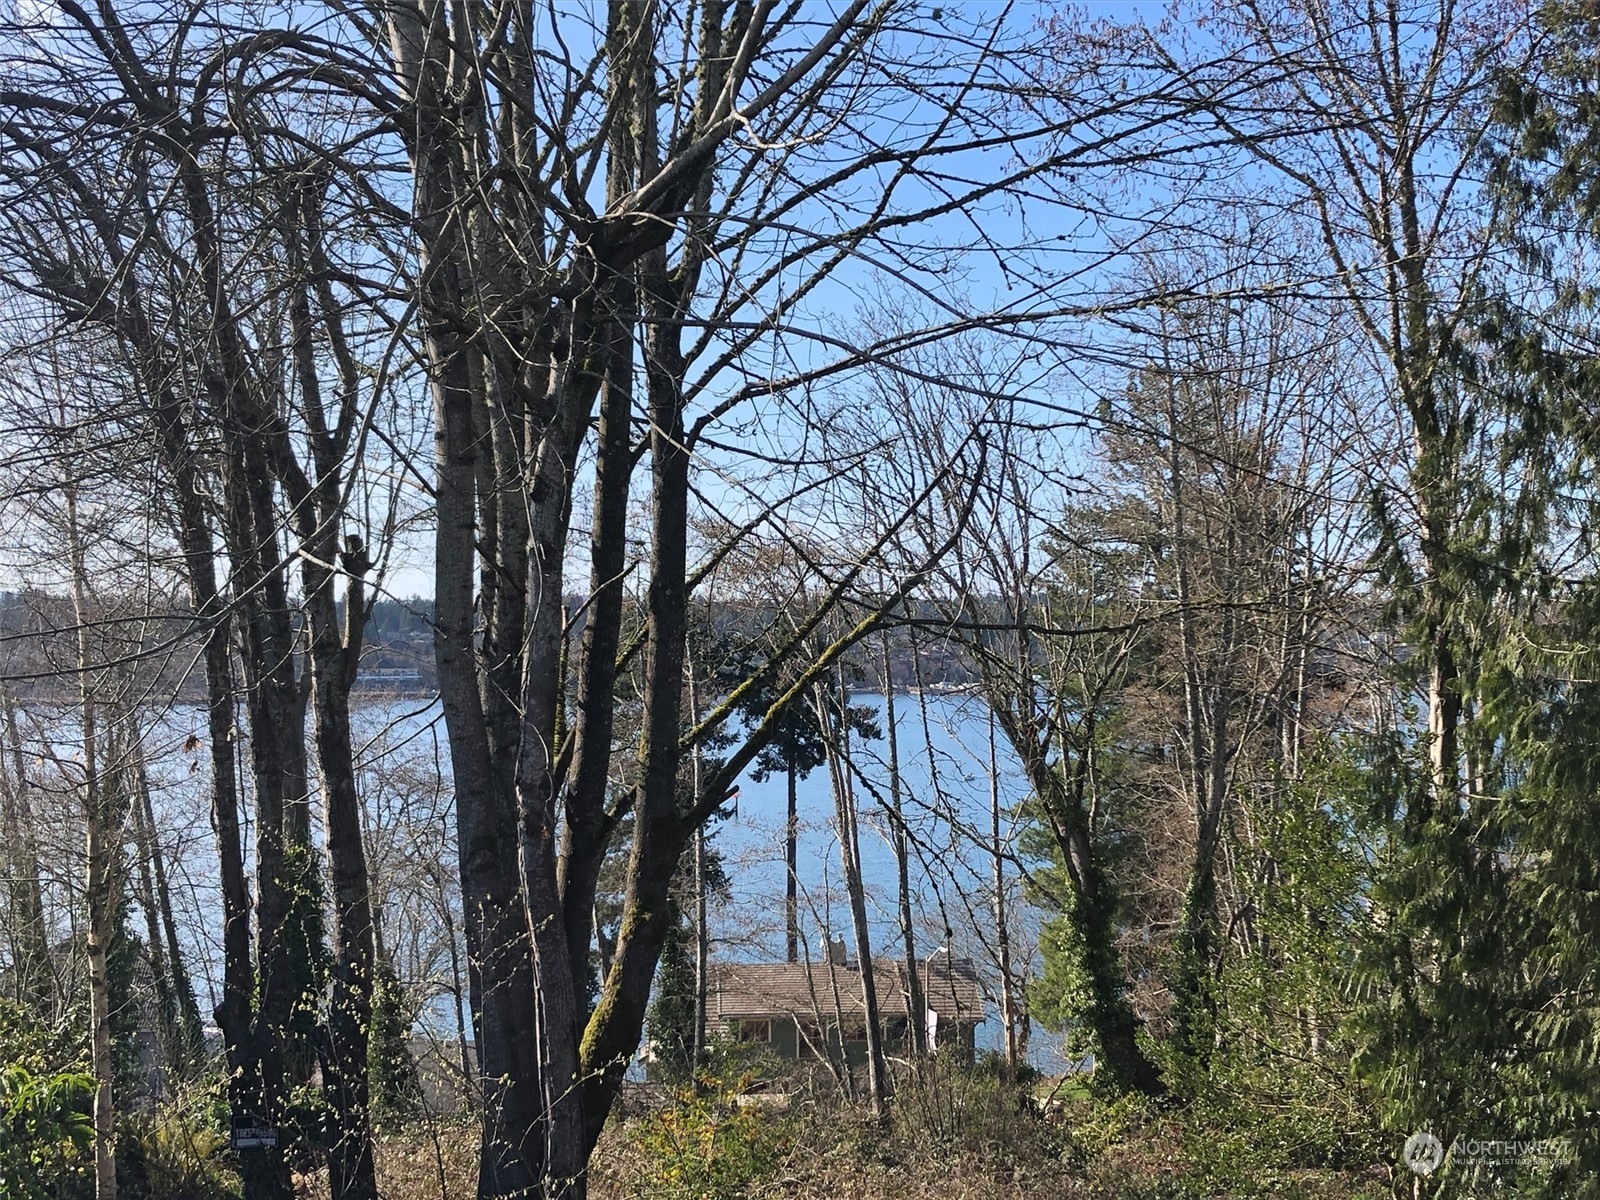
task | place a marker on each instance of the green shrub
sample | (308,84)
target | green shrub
(46,1093)
(1253,1124)
(177,1152)
(708,1148)
(45,1132)
(43,1048)
(396,1085)
(1101,1124)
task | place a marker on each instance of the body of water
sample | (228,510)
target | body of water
(946,798)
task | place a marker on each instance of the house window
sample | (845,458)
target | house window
(753,1031)
(812,1042)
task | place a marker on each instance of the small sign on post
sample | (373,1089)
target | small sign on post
(249,1134)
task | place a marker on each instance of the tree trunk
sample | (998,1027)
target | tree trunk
(289,928)
(192,1035)
(1002,932)
(170,1032)
(351,1171)
(661,832)
(1208,697)
(791,865)
(916,1007)
(334,654)
(34,975)
(263,1172)
(482,453)
(100,884)
(702,933)
(101,930)
(1107,1014)
(588,829)
(837,742)
(500,966)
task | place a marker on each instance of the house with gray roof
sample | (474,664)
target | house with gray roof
(808,1010)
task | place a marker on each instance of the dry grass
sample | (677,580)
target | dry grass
(437,1161)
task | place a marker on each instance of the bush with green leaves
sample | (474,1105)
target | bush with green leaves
(1258,1126)
(45,1131)
(396,1085)
(672,1010)
(179,1151)
(708,1147)
(46,1094)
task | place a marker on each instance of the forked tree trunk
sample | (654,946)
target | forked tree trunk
(180,1014)
(171,1031)
(837,742)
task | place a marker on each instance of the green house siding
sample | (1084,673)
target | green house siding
(782,1036)
(785,1038)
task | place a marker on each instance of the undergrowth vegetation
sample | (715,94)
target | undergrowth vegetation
(958,1133)
(1247,1126)
(953,1134)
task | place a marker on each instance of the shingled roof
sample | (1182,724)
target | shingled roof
(752,991)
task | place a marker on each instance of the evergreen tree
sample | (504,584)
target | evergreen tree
(798,747)
(1476,974)
(671,1021)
